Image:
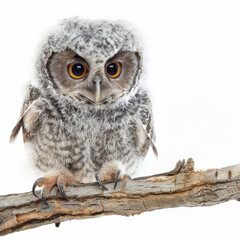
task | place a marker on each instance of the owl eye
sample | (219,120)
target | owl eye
(113,69)
(77,70)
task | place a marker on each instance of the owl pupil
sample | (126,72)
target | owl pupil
(112,69)
(78,69)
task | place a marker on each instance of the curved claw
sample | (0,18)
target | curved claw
(34,187)
(116,179)
(100,182)
(43,192)
(61,188)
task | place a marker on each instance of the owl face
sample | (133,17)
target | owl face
(96,81)
(94,62)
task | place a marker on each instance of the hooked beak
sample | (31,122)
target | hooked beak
(97,87)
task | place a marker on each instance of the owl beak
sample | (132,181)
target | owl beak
(97,87)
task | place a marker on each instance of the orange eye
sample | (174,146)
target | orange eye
(113,69)
(77,70)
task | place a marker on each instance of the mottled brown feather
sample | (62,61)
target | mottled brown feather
(32,95)
(16,130)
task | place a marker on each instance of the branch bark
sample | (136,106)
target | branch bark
(188,188)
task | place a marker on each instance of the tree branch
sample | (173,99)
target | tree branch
(188,188)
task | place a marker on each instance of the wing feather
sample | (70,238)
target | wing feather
(32,96)
(147,124)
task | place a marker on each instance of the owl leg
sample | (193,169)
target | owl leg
(48,182)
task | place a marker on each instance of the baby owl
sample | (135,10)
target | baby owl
(87,114)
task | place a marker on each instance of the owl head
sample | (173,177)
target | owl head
(94,62)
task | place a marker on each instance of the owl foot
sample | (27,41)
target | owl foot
(118,178)
(47,183)
(110,171)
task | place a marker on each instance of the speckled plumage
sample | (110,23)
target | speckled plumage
(69,134)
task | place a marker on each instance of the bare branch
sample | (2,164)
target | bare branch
(188,188)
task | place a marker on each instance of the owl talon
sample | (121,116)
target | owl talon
(100,182)
(61,189)
(35,185)
(116,179)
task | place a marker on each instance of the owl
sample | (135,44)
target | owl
(86,116)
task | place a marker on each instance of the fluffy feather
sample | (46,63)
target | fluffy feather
(65,130)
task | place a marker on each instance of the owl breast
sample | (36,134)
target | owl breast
(81,141)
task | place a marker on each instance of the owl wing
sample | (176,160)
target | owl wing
(31,98)
(147,125)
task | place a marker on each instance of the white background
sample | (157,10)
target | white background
(193,76)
